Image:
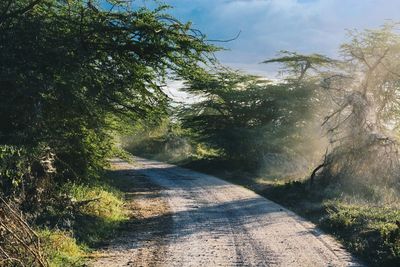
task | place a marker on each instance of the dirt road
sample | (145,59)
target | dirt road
(186,218)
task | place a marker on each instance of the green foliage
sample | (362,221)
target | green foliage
(248,117)
(95,212)
(67,67)
(91,212)
(298,66)
(26,175)
(373,232)
(73,73)
(164,140)
(13,169)
(99,220)
(61,249)
(102,200)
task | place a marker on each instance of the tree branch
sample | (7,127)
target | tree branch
(20,11)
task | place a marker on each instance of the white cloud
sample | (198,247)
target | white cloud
(174,90)
(271,25)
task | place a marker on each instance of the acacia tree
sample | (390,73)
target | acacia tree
(363,125)
(253,121)
(362,96)
(69,71)
(70,68)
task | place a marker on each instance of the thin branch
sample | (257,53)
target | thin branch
(327,118)
(225,41)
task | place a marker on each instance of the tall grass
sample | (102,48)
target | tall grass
(61,248)
(98,212)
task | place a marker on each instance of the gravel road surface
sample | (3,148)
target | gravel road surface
(185,218)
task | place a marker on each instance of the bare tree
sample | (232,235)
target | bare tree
(363,123)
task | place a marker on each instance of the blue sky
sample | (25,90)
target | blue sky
(268,26)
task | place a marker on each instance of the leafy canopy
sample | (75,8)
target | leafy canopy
(70,69)
(249,117)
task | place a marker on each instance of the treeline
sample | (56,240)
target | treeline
(244,119)
(332,117)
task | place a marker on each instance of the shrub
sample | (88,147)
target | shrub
(61,248)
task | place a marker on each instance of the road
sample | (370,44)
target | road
(185,218)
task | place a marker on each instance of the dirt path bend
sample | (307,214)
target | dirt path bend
(191,219)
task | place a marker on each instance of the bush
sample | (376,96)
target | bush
(99,200)
(61,248)
(165,141)
(93,212)
(372,232)
(99,210)
(26,175)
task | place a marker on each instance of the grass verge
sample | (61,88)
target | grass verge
(91,214)
(60,248)
(370,231)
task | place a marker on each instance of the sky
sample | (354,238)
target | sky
(268,26)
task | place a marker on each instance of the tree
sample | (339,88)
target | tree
(69,69)
(363,126)
(254,121)
(362,95)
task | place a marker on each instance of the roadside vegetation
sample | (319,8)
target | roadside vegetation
(79,219)
(73,75)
